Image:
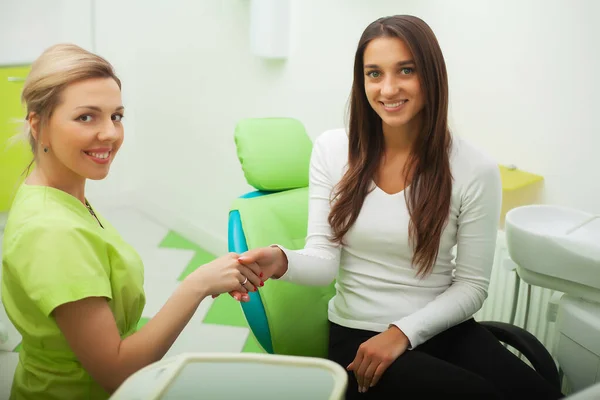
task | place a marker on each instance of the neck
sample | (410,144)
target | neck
(44,175)
(400,139)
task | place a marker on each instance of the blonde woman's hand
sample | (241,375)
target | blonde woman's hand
(225,274)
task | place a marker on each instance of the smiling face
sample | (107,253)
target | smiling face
(85,131)
(392,85)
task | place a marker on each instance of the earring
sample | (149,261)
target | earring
(45,149)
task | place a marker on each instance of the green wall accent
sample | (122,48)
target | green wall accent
(14,158)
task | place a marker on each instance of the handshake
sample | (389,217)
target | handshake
(239,274)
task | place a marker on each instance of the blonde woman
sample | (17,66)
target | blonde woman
(71,285)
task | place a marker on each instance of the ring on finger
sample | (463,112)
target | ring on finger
(245,280)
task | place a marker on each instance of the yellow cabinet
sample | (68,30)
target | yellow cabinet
(519,188)
(14,157)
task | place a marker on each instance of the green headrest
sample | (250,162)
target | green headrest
(274,153)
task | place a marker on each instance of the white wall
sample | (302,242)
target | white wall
(523,86)
(521,73)
(28,27)
(113,41)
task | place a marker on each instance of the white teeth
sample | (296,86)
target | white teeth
(394,105)
(99,155)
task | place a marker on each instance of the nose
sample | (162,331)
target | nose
(390,86)
(109,131)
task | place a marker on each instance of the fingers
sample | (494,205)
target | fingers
(355,366)
(368,375)
(237,295)
(254,282)
(251,256)
(254,267)
(379,372)
(360,374)
(246,284)
(367,369)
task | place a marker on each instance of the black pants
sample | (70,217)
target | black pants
(463,362)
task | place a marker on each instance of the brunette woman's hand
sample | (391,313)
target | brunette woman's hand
(375,355)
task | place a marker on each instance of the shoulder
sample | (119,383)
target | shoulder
(39,203)
(330,152)
(472,166)
(48,245)
(48,233)
(34,223)
(334,139)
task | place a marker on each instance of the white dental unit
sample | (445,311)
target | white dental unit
(236,376)
(559,248)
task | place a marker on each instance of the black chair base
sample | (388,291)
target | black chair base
(529,346)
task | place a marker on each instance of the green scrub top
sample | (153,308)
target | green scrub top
(54,252)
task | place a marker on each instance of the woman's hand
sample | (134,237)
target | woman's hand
(375,355)
(271,262)
(226,274)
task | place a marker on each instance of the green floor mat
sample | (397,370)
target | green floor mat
(176,241)
(227,311)
(252,345)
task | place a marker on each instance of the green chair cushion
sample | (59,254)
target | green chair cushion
(297,315)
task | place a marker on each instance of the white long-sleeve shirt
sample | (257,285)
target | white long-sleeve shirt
(376,287)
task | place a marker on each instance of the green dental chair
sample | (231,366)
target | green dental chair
(290,319)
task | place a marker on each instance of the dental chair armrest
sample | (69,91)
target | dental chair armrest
(529,346)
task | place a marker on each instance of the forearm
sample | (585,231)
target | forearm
(457,304)
(152,342)
(310,266)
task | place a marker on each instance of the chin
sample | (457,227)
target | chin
(98,176)
(395,122)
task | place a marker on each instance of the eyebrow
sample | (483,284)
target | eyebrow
(398,64)
(120,108)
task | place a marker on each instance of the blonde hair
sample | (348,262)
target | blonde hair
(55,69)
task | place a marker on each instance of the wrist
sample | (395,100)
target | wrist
(194,287)
(399,334)
(281,262)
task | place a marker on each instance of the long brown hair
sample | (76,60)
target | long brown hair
(428,166)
